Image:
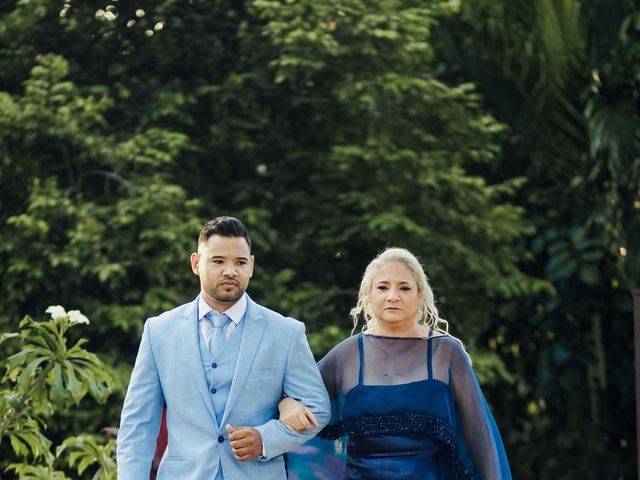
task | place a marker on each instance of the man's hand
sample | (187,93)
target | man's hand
(246,442)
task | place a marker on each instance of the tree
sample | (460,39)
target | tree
(563,76)
(324,127)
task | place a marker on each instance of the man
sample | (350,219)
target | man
(220,364)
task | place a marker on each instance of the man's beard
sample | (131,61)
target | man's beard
(227,297)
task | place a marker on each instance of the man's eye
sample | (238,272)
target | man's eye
(217,262)
(242,263)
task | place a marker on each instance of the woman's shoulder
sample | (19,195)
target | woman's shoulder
(443,337)
(447,341)
(348,343)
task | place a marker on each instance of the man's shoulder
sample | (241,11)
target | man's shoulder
(170,317)
(274,317)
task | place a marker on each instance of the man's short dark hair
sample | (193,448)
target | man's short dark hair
(225,227)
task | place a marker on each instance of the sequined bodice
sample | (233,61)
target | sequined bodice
(425,396)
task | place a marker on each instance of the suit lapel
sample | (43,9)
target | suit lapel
(191,340)
(251,337)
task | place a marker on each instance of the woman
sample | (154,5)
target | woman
(403,391)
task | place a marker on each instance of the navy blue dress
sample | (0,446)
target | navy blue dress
(410,408)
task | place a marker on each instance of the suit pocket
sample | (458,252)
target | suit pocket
(174,458)
(173,467)
(263,371)
(267,381)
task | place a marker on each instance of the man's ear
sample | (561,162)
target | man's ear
(195,263)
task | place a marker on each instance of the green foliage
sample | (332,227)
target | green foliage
(564,76)
(497,140)
(68,373)
(323,127)
(45,376)
(37,472)
(24,433)
(98,229)
(572,253)
(86,450)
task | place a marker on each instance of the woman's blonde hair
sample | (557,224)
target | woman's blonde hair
(427,312)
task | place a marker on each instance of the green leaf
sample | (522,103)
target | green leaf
(8,336)
(73,386)
(57,393)
(19,447)
(84,463)
(590,275)
(28,374)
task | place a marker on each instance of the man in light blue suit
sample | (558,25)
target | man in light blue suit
(220,364)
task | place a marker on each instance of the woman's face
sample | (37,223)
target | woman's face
(394,296)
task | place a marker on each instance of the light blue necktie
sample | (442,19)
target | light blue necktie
(218,338)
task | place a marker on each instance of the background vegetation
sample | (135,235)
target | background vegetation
(497,140)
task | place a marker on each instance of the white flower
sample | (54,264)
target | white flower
(75,317)
(56,312)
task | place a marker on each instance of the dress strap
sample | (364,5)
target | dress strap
(361,350)
(429,351)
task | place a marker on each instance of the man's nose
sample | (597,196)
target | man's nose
(230,269)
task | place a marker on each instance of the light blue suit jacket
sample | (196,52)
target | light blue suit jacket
(274,360)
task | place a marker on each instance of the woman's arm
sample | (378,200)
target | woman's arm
(478,427)
(295,416)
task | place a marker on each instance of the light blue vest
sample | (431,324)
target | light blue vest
(218,370)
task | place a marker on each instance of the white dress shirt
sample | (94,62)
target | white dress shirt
(235,313)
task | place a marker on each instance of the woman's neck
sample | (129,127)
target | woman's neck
(413,330)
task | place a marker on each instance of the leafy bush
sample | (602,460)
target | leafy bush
(44,376)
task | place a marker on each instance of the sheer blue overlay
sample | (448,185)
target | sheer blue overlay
(407,408)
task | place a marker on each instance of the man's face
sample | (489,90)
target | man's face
(224,265)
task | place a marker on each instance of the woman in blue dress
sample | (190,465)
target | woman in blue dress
(403,392)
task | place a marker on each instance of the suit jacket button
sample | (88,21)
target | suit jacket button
(220,439)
